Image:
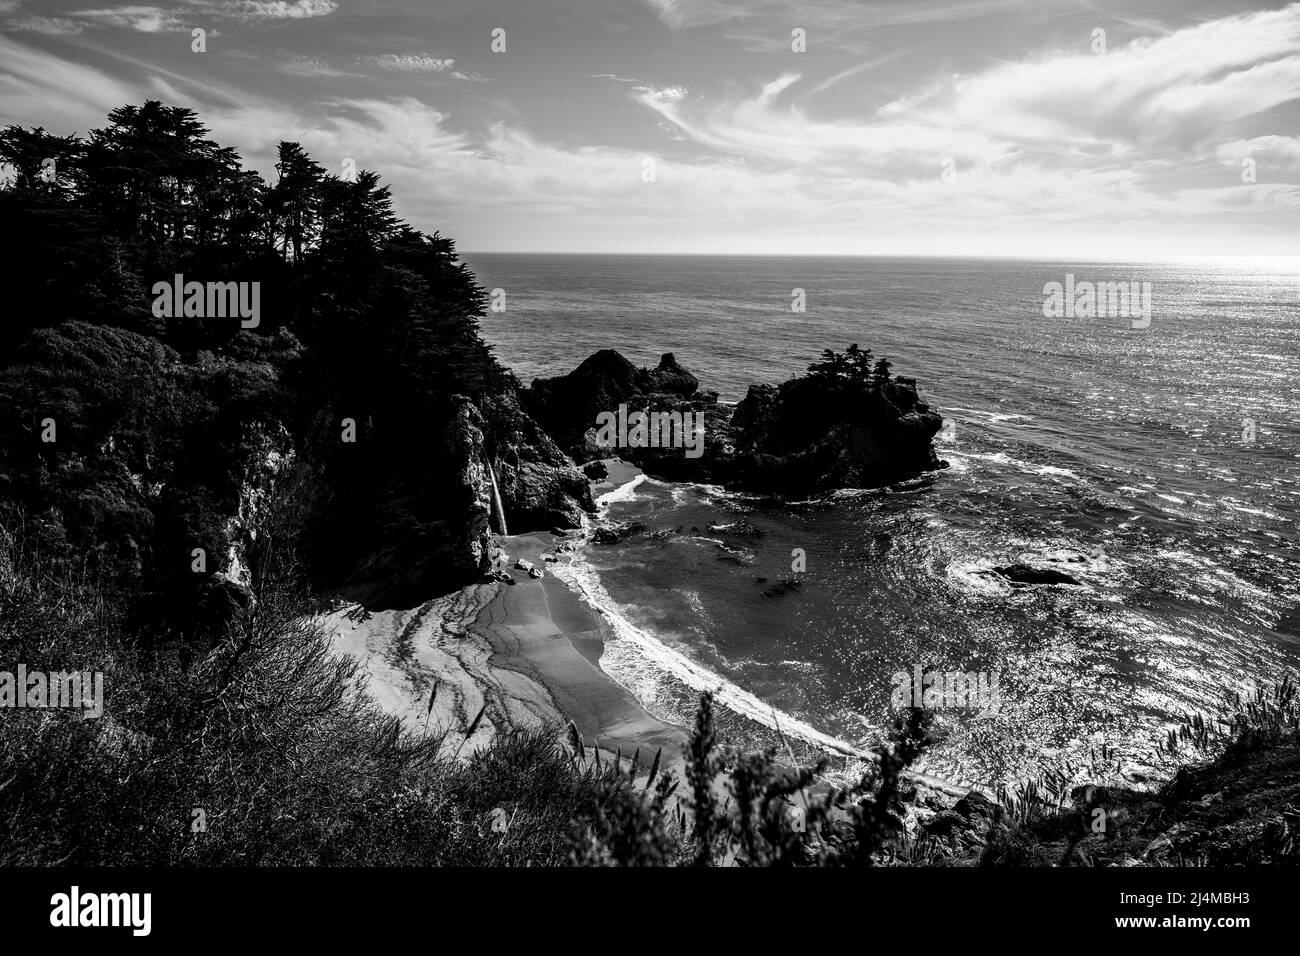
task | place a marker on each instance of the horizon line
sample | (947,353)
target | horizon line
(1200,257)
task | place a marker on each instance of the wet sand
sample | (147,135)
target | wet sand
(543,630)
(530,651)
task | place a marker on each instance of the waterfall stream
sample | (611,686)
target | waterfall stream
(496,501)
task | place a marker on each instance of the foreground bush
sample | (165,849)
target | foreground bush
(266,751)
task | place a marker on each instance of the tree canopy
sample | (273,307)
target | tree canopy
(362,316)
(853,366)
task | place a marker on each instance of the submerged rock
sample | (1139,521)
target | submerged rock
(740,528)
(613,534)
(1025,574)
(781,587)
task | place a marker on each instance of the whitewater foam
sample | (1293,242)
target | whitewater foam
(624,492)
(633,652)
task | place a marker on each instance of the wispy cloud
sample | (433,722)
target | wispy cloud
(1142,102)
(418,63)
(765,25)
(1279,152)
(53,26)
(285,9)
(143,19)
(308,66)
(855,70)
(681,14)
(412,63)
(182,18)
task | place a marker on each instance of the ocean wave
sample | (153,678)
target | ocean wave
(1263,513)
(956,462)
(624,492)
(1052,471)
(975,579)
(637,659)
(991,416)
(1002,458)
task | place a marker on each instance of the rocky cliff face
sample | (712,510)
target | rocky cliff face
(426,528)
(425,531)
(540,485)
(806,435)
(184,479)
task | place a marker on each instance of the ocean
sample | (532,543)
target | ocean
(1160,467)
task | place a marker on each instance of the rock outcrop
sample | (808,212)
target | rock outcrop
(1022,575)
(567,406)
(807,435)
(814,434)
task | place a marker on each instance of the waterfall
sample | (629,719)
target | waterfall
(496,500)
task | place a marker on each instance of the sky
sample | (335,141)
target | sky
(1057,128)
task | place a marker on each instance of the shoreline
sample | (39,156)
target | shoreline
(542,630)
(529,651)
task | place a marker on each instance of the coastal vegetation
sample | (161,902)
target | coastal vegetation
(129,439)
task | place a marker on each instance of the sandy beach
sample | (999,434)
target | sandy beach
(530,651)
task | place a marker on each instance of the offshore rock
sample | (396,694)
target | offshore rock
(816,433)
